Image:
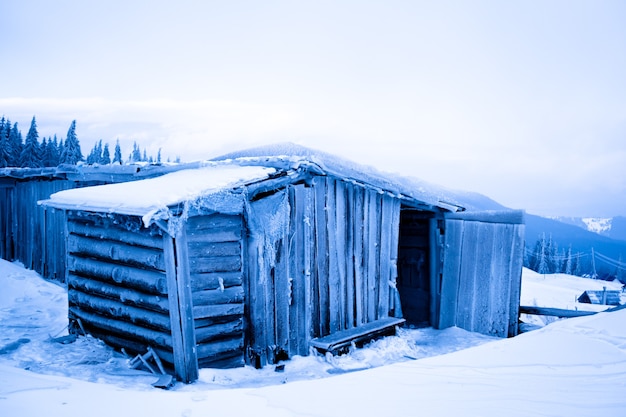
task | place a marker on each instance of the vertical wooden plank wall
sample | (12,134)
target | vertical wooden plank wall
(339,258)
(481,276)
(7,191)
(31,234)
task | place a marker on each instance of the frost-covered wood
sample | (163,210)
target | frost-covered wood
(482,276)
(214,250)
(180,306)
(331,272)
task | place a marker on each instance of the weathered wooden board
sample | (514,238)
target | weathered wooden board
(367,331)
(321,272)
(451,273)
(232,295)
(211,313)
(215,280)
(219,331)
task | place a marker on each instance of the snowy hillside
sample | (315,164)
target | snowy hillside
(574,367)
(612,227)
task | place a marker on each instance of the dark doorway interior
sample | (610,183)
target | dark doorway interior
(414,267)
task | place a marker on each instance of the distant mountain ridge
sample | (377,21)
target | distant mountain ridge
(612,227)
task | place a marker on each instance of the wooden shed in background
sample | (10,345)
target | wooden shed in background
(254,259)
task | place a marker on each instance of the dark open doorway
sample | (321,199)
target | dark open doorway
(413,281)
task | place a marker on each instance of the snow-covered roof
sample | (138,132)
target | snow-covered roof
(409,187)
(147,198)
(213,180)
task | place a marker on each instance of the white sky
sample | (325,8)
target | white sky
(522,101)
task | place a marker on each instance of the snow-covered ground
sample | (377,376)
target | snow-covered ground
(574,367)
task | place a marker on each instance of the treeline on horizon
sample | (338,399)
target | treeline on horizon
(547,258)
(51,152)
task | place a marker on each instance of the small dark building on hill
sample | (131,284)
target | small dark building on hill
(603,297)
(256,259)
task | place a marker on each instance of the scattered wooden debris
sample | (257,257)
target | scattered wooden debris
(165,380)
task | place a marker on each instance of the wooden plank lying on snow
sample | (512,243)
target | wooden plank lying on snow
(343,338)
(558,312)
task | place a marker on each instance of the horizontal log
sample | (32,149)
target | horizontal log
(218,235)
(212,249)
(215,280)
(213,222)
(114,292)
(227,360)
(153,282)
(115,309)
(122,329)
(116,251)
(112,221)
(215,264)
(132,347)
(221,347)
(219,331)
(138,238)
(212,313)
(557,312)
(212,297)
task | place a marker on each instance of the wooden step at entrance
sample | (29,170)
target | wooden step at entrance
(337,341)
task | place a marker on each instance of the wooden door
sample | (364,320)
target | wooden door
(414,267)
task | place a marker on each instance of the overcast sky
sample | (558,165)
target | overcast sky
(524,101)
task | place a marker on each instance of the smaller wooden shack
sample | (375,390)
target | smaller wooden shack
(253,259)
(601,297)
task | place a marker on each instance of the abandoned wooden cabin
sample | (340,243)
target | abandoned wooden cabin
(257,259)
(602,297)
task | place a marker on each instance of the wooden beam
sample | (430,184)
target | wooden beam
(557,312)
(180,307)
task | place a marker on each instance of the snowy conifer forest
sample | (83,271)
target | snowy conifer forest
(31,152)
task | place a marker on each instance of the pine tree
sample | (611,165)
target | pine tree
(541,256)
(51,152)
(5,145)
(105,159)
(60,148)
(15,137)
(95,154)
(568,262)
(31,157)
(136,155)
(71,150)
(117,155)
(159,156)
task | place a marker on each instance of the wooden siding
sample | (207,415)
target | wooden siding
(31,234)
(323,263)
(481,276)
(214,246)
(117,284)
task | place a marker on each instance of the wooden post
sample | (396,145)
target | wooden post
(180,306)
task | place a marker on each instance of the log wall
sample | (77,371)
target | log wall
(216,278)
(117,283)
(321,263)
